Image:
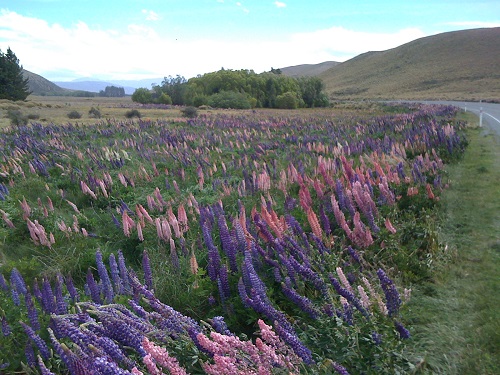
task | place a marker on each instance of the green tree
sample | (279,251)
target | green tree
(112,92)
(13,86)
(142,95)
(287,100)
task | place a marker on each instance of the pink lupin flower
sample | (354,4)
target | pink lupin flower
(26,209)
(161,356)
(5,218)
(389,226)
(139,232)
(159,230)
(125,224)
(102,185)
(344,280)
(140,208)
(365,301)
(167,233)
(73,206)
(151,365)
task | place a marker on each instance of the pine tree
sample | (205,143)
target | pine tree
(13,86)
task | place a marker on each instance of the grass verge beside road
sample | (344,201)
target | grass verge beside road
(456,317)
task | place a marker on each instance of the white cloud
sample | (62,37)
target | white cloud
(280,4)
(151,15)
(140,52)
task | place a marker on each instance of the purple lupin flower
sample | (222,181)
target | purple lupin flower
(74,363)
(213,254)
(29,352)
(116,222)
(103,275)
(309,275)
(302,302)
(3,284)
(17,281)
(75,296)
(146,268)
(43,369)
(293,341)
(6,331)
(15,296)
(403,332)
(348,296)
(339,369)
(115,274)
(37,340)
(95,294)
(228,246)
(223,283)
(124,273)
(61,306)
(220,326)
(32,312)
(377,338)
(48,299)
(393,301)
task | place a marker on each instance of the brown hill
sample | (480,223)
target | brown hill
(41,86)
(456,65)
(308,70)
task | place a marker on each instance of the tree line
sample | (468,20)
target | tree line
(237,89)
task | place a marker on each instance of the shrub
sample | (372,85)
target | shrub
(94,113)
(165,99)
(16,117)
(229,99)
(287,100)
(33,116)
(142,95)
(190,112)
(133,113)
(74,114)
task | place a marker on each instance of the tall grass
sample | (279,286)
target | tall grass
(455,315)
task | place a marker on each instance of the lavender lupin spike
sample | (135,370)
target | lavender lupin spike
(32,312)
(41,345)
(103,275)
(115,274)
(93,288)
(146,268)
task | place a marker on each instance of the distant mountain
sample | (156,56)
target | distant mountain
(308,70)
(41,86)
(92,86)
(454,65)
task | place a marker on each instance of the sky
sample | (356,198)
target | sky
(63,40)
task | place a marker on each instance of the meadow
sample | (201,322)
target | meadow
(237,242)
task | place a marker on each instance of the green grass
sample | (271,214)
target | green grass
(456,317)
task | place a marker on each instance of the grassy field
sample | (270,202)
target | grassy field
(456,316)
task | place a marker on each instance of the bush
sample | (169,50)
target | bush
(33,116)
(287,100)
(94,113)
(133,113)
(17,118)
(142,95)
(74,114)
(165,99)
(190,112)
(229,99)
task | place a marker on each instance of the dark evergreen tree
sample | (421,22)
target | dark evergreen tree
(13,86)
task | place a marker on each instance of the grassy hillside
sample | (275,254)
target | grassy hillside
(41,86)
(455,65)
(308,70)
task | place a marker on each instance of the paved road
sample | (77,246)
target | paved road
(491,112)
